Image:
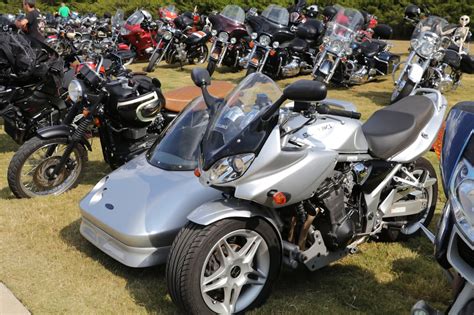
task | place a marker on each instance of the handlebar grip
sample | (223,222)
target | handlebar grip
(326,110)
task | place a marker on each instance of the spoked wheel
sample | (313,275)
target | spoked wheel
(30,170)
(226,267)
(403,90)
(154,60)
(426,197)
(204,53)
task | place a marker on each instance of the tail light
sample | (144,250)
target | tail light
(438,145)
(272,52)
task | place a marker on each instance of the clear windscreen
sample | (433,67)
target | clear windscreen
(251,98)
(345,23)
(234,13)
(432,24)
(136,18)
(178,148)
(118,19)
(276,14)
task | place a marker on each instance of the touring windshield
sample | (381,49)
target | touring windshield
(345,23)
(230,131)
(136,18)
(117,19)
(178,148)
(234,13)
(431,24)
(276,14)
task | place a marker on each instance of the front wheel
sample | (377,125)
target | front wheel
(29,172)
(318,76)
(226,267)
(250,70)
(406,90)
(154,60)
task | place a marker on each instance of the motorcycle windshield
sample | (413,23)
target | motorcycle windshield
(233,128)
(234,13)
(432,24)
(118,19)
(136,18)
(178,147)
(276,14)
(345,23)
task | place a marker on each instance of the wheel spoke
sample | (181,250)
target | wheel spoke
(256,277)
(231,296)
(250,248)
(214,281)
(231,254)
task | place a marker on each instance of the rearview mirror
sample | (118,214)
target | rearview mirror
(201,77)
(305,91)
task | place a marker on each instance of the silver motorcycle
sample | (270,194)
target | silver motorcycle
(302,184)
(430,63)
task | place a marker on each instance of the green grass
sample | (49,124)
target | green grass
(52,269)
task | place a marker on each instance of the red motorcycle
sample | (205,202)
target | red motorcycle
(139,32)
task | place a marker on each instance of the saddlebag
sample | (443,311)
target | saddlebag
(385,61)
(467,64)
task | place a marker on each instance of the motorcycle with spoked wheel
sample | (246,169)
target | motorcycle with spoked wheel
(128,113)
(303,184)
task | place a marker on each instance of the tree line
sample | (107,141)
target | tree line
(388,11)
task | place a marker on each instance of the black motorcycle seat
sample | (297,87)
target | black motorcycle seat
(393,128)
(370,49)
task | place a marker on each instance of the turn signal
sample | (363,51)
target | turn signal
(438,145)
(97,122)
(272,52)
(197,172)
(85,112)
(279,198)
(251,44)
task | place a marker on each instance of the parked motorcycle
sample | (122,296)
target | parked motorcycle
(230,38)
(128,114)
(30,87)
(139,32)
(454,241)
(349,56)
(269,31)
(299,187)
(431,63)
(180,43)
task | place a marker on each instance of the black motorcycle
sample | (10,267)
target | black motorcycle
(269,31)
(178,43)
(126,111)
(30,87)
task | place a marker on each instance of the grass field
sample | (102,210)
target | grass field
(52,269)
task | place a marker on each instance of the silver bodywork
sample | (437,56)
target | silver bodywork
(129,216)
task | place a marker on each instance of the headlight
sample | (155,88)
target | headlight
(233,40)
(75,91)
(415,43)
(167,35)
(427,49)
(223,37)
(438,55)
(124,31)
(254,36)
(336,46)
(230,168)
(275,45)
(265,40)
(462,192)
(213,32)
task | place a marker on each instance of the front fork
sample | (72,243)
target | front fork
(320,61)
(221,54)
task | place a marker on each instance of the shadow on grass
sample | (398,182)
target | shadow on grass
(146,285)
(335,289)
(6,143)
(379,98)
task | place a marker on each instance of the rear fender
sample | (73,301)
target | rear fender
(61,131)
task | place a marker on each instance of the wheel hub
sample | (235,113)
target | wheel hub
(43,176)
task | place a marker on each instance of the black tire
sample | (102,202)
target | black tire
(393,234)
(406,90)
(204,55)
(211,66)
(190,249)
(25,151)
(250,70)
(153,61)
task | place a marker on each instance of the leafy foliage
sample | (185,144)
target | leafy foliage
(388,11)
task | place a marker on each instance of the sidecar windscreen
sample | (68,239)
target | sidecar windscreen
(178,148)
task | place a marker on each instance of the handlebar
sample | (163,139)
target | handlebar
(326,110)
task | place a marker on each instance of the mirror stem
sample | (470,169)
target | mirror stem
(270,111)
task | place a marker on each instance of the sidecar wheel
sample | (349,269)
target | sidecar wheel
(227,267)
